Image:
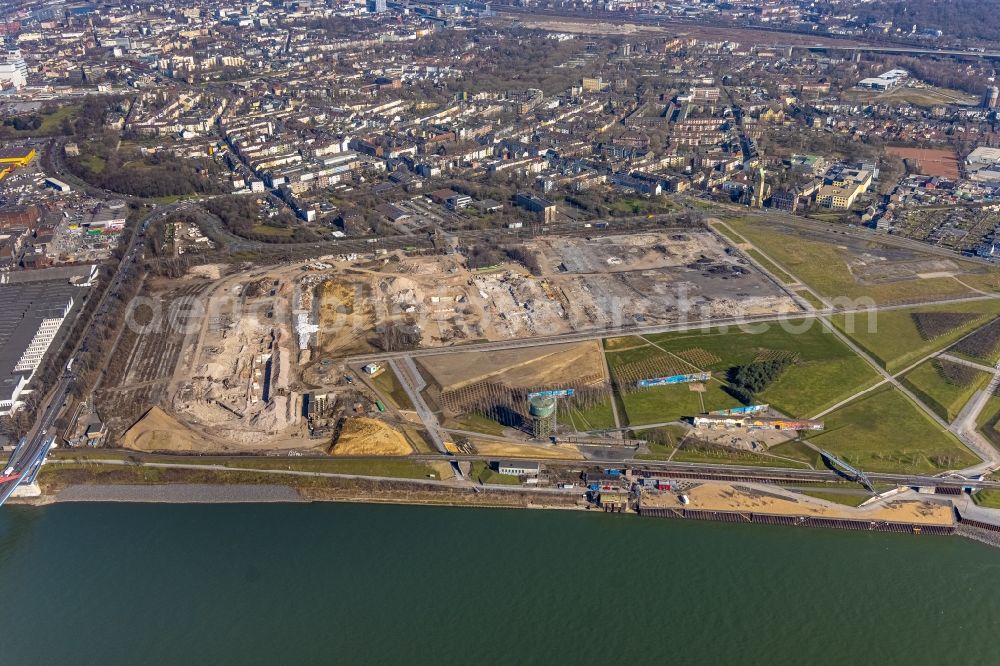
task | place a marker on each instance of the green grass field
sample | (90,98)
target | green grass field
(812,300)
(394,467)
(733,237)
(598,417)
(884,431)
(390,388)
(475,422)
(51,123)
(827,371)
(989,499)
(795,456)
(825,267)
(95,163)
(624,342)
(267,230)
(946,399)
(663,404)
(988,422)
(771,267)
(892,337)
(483,474)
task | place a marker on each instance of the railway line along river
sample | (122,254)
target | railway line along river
(351,583)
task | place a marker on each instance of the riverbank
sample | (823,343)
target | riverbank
(193,485)
(183,493)
(157,483)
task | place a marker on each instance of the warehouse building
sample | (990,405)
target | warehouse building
(33,315)
(510,468)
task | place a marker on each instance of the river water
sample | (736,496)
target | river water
(341,583)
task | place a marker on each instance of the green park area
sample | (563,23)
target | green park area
(898,338)
(988,422)
(673,443)
(821,370)
(661,404)
(49,123)
(482,473)
(883,431)
(945,386)
(581,419)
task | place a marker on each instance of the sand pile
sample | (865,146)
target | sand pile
(368,437)
(159,431)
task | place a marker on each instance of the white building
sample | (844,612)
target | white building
(34,313)
(887,81)
(13,69)
(509,468)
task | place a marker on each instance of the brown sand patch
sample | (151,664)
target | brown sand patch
(511,450)
(369,437)
(941,162)
(159,431)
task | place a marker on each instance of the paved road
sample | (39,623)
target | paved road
(28,457)
(413,384)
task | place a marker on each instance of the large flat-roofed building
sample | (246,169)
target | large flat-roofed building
(32,314)
(12,156)
(842,187)
(513,468)
(13,69)
(545,209)
(887,81)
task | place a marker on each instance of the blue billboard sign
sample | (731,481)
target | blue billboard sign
(675,379)
(748,409)
(556,393)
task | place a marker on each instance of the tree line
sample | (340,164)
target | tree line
(746,381)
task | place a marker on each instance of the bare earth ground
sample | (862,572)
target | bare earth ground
(528,367)
(486,447)
(714,496)
(369,437)
(941,162)
(234,378)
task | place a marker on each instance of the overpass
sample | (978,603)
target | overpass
(30,452)
(25,461)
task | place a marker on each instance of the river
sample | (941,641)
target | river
(341,583)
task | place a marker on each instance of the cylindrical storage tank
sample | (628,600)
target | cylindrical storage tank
(541,407)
